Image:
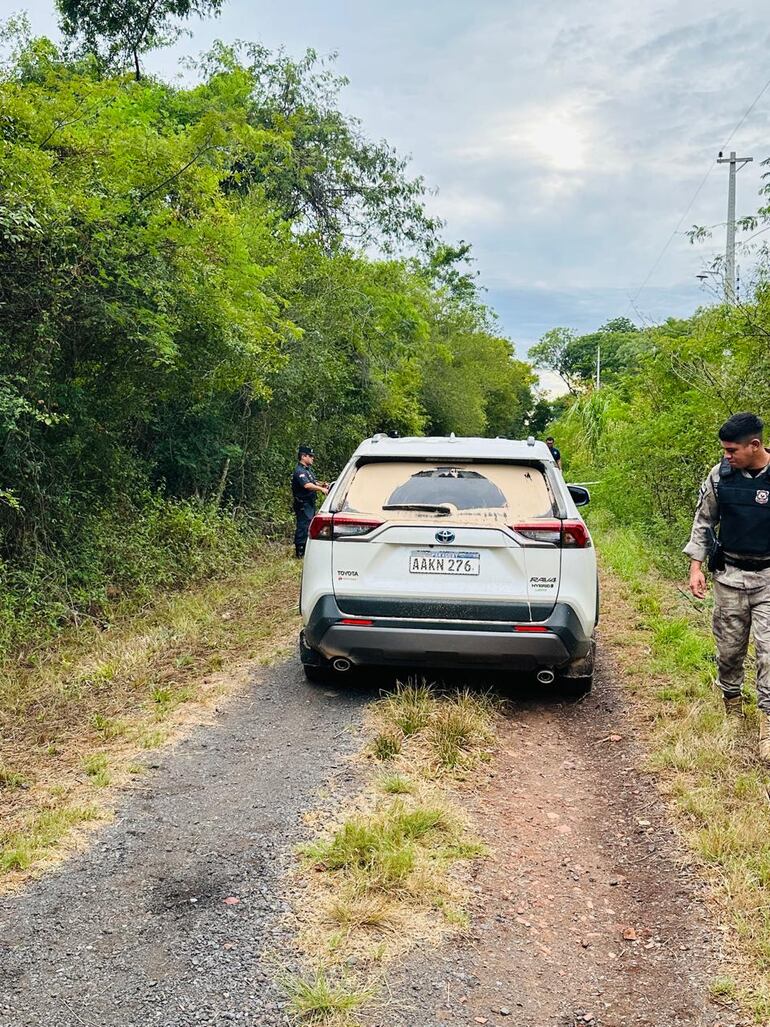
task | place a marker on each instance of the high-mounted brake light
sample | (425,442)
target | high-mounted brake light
(568,534)
(341,526)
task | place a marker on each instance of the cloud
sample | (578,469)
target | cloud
(566,137)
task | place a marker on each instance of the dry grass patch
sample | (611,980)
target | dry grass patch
(706,764)
(76,715)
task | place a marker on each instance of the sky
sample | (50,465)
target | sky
(565,138)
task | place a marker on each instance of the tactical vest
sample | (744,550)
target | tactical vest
(744,512)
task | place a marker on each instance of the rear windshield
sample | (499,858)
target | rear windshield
(405,490)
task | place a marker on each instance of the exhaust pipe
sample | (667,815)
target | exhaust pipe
(341,664)
(546,677)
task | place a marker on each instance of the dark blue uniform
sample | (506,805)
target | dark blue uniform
(304,504)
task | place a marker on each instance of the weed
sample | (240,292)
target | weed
(459,725)
(396,784)
(355,911)
(152,738)
(723,987)
(11,779)
(378,851)
(95,766)
(317,999)
(386,745)
(108,727)
(409,707)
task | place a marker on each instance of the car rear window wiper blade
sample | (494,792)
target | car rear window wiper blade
(439,508)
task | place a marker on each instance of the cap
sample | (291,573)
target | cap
(306,451)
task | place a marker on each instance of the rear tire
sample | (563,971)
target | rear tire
(576,688)
(318,675)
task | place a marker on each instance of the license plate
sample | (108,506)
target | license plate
(437,561)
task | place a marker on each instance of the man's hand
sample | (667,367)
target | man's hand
(697,580)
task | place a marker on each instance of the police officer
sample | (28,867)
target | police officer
(555,453)
(304,486)
(736,497)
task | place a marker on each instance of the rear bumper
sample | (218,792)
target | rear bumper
(427,642)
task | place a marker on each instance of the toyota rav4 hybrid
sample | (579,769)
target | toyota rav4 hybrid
(451,553)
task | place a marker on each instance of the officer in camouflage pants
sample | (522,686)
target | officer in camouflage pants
(735,499)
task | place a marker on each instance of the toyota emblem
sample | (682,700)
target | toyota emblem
(445,536)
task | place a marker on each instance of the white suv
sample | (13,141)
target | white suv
(451,553)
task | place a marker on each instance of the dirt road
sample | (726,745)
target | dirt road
(584,915)
(137,931)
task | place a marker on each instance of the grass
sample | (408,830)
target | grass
(459,729)
(95,766)
(22,849)
(396,784)
(318,999)
(707,765)
(75,715)
(456,728)
(409,707)
(388,873)
(387,744)
(12,779)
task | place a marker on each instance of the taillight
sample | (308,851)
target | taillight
(576,535)
(321,526)
(570,534)
(540,531)
(341,526)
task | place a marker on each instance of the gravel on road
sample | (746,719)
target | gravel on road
(586,914)
(176,915)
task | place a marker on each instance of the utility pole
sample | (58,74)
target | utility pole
(598,365)
(733,161)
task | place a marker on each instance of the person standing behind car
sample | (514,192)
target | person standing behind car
(555,453)
(736,498)
(304,486)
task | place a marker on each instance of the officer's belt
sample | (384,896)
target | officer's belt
(748,565)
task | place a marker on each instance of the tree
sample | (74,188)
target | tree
(321,172)
(552,353)
(121,30)
(573,356)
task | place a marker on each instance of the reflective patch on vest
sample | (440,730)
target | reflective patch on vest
(762,496)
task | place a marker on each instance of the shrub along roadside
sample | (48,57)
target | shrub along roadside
(78,717)
(117,557)
(706,765)
(388,871)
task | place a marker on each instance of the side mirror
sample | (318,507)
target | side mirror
(580,496)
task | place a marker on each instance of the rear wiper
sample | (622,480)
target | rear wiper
(438,508)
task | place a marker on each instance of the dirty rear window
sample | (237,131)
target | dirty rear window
(406,490)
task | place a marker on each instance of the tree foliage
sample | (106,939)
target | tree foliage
(117,32)
(649,435)
(184,299)
(574,357)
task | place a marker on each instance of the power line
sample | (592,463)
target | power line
(697,193)
(673,235)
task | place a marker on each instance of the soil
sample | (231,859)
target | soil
(586,911)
